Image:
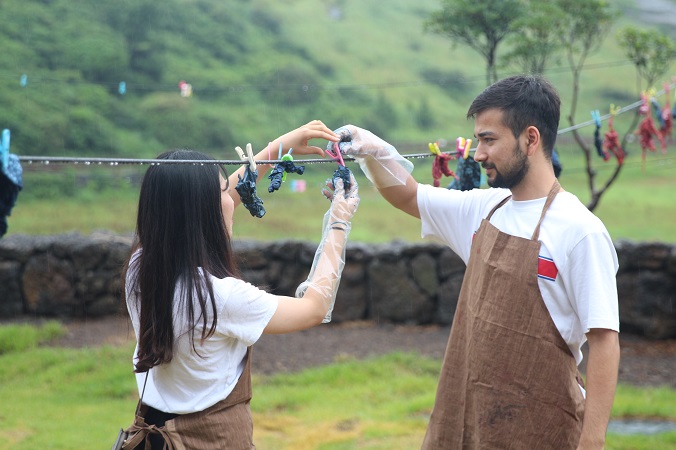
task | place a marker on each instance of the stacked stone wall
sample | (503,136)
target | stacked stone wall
(75,276)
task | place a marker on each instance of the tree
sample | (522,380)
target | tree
(480,24)
(584,26)
(538,38)
(651,51)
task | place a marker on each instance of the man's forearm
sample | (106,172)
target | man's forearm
(602,366)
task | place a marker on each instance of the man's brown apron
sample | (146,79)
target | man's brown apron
(227,424)
(508,381)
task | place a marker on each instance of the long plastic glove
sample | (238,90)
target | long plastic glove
(379,160)
(329,260)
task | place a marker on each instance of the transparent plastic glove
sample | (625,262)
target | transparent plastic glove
(329,260)
(379,160)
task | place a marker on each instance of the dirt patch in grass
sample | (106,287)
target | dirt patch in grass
(644,362)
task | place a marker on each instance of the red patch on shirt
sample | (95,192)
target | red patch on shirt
(547,269)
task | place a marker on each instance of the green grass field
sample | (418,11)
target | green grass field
(70,399)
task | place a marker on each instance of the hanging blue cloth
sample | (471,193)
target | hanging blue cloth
(556,163)
(277,174)
(246,188)
(343,173)
(469,175)
(11,183)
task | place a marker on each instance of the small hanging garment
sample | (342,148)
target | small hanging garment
(440,167)
(278,173)
(611,142)
(343,173)
(246,188)
(468,175)
(11,183)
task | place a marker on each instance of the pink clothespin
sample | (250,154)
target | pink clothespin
(463,146)
(336,155)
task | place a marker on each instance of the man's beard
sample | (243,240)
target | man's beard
(513,174)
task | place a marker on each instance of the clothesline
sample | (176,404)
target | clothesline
(87,161)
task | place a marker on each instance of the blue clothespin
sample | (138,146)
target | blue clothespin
(4,150)
(23,80)
(597,117)
(122,88)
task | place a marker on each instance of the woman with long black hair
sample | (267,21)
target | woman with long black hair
(194,318)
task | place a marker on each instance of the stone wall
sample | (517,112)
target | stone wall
(79,276)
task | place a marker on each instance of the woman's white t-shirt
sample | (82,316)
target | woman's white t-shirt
(577,262)
(192,382)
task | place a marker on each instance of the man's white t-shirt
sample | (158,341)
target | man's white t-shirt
(577,262)
(192,382)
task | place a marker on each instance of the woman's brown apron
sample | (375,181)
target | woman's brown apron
(508,381)
(227,424)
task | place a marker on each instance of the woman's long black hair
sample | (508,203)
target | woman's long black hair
(179,230)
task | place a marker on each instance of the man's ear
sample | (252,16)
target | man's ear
(533,140)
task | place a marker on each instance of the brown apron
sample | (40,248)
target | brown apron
(227,424)
(509,380)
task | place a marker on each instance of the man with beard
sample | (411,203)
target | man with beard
(540,281)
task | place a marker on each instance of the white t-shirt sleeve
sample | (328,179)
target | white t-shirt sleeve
(591,283)
(246,309)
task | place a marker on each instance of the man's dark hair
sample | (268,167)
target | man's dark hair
(525,100)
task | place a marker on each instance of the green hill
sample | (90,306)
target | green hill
(257,69)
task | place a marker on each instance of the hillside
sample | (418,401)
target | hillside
(257,69)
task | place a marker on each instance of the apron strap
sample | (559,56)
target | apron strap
(495,208)
(550,198)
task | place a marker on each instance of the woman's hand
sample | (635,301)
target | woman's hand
(298,139)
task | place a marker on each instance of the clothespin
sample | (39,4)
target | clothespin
(287,157)
(246,186)
(23,81)
(614,109)
(463,146)
(4,149)
(596,116)
(249,156)
(335,154)
(434,148)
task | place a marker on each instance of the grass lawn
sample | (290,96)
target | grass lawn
(78,399)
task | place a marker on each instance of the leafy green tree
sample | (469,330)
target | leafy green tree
(651,51)
(538,39)
(480,24)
